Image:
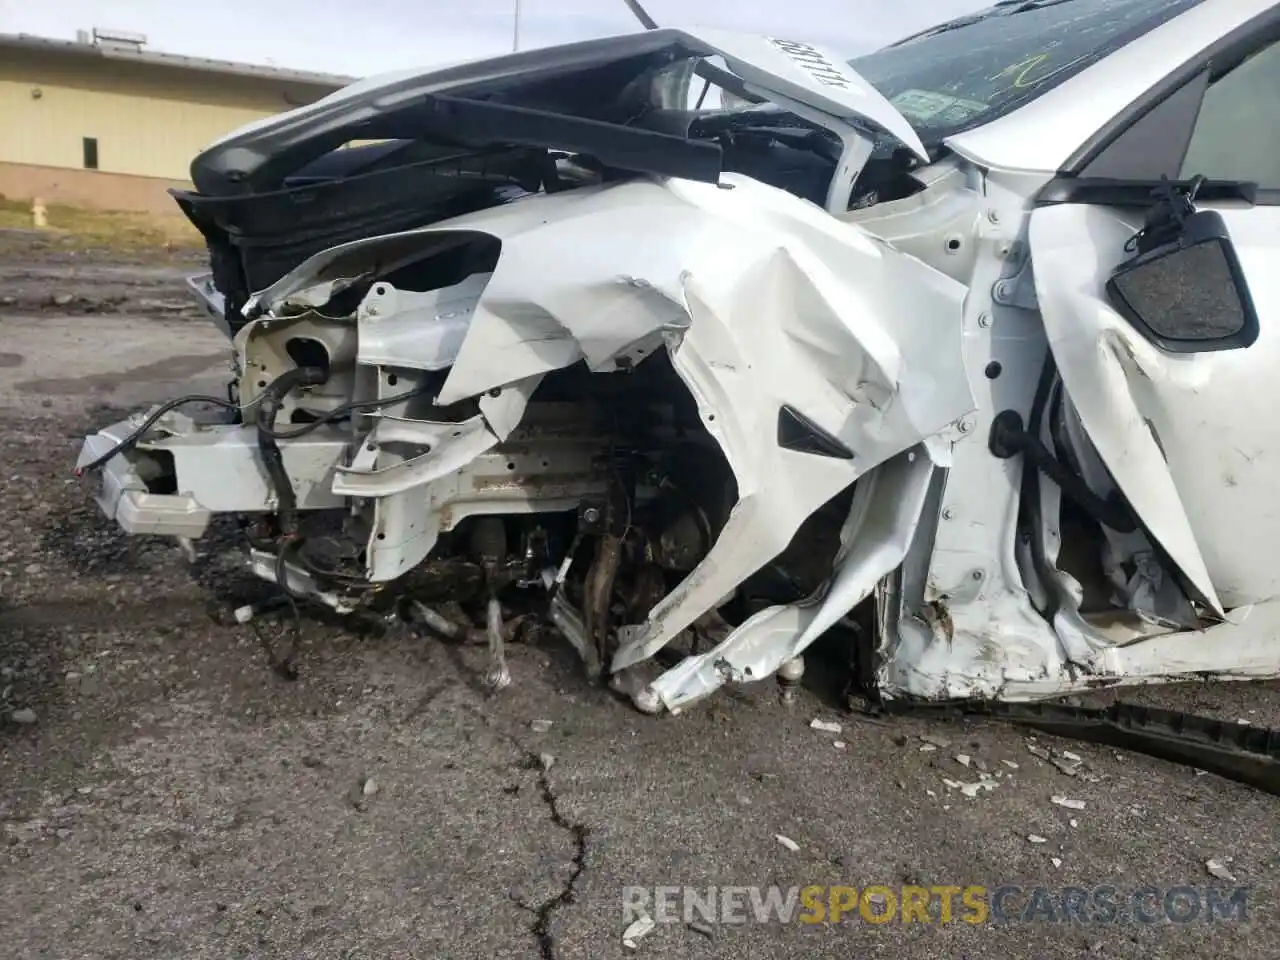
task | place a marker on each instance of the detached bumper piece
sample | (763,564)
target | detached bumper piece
(182,472)
(124,495)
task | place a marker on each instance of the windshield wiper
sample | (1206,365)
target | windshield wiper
(965,21)
(1003,8)
(1022,6)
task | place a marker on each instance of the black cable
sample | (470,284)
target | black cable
(1166,220)
(284,665)
(286,501)
(1009,438)
(269,450)
(131,441)
(338,413)
(344,576)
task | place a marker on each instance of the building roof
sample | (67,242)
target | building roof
(130,53)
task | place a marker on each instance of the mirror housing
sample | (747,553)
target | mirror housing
(1187,293)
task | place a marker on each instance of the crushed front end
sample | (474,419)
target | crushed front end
(548,366)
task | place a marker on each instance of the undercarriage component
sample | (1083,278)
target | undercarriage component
(498,674)
(636,684)
(458,631)
(599,592)
(569,622)
(446,628)
(299,582)
(790,675)
(1235,751)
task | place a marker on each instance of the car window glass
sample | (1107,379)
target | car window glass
(969,71)
(1237,135)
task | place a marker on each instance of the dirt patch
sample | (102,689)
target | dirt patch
(83,284)
(160,371)
(79,228)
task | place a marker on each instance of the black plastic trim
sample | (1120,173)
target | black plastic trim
(798,433)
(593,79)
(481,123)
(1239,752)
(1106,192)
(1156,144)
(1225,52)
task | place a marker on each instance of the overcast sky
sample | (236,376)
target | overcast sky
(373,36)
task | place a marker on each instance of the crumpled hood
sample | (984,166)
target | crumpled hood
(597,85)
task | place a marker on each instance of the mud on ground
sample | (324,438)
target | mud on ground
(163,794)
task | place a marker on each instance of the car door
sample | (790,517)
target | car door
(1190,437)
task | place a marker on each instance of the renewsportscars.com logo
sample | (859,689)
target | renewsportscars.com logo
(944,904)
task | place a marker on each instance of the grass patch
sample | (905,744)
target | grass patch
(111,230)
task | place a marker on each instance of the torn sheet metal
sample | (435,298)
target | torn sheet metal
(1241,650)
(783,336)
(881,525)
(1110,371)
(763,302)
(510,481)
(314,282)
(421,331)
(749,289)
(816,357)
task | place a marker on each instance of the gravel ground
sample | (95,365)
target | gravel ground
(163,794)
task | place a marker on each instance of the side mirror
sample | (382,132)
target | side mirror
(1188,294)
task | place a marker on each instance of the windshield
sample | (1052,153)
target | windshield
(969,71)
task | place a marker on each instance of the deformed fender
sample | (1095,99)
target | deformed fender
(762,300)
(882,522)
(1098,354)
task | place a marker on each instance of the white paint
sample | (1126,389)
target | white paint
(422,331)
(815,77)
(1184,436)
(875,539)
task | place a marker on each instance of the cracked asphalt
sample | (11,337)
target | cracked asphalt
(163,793)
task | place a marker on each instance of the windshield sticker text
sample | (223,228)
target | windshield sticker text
(928,106)
(815,64)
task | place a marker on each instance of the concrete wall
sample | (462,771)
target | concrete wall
(149,122)
(89,188)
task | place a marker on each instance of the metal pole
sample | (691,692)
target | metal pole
(641,14)
(515,30)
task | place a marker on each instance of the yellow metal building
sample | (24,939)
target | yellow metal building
(104,122)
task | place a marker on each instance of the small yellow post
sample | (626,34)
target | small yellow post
(39,216)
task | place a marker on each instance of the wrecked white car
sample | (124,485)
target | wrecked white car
(694,346)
